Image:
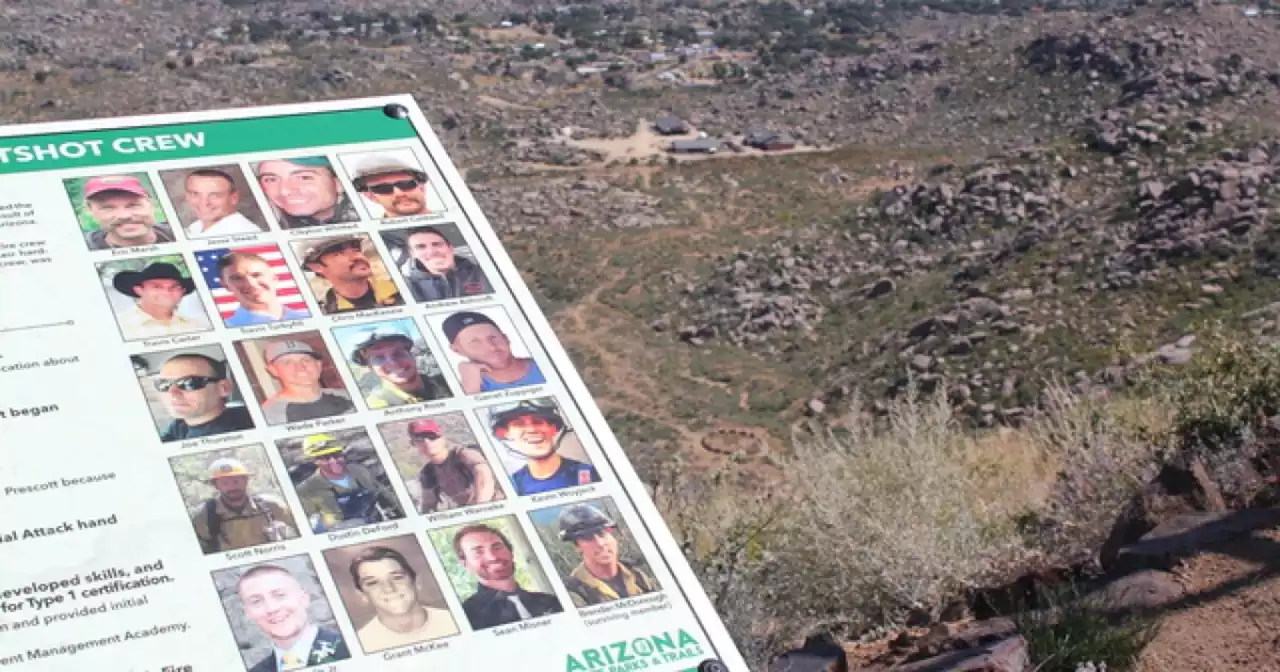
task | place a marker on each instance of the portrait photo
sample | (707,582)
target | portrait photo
(594,552)
(392,184)
(191,393)
(213,201)
(153,297)
(305,191)
(390,593)
(485,351)
(391,363)
(233,498)
(252,285)
(339,480)
(280,615)
(346,274)
(118,210)
(495,572)
(442,463)
(294,377)
(538,447)
(436,263)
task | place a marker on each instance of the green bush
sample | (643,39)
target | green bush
(1075,634)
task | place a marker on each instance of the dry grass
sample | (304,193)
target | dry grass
(901,514)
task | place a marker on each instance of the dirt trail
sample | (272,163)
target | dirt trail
(1233,619)
(592,327)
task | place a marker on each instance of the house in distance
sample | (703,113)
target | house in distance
(767,140)
(670,125)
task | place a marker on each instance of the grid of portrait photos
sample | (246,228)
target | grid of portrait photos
(360,429)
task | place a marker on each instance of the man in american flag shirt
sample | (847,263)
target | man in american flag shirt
(250,278)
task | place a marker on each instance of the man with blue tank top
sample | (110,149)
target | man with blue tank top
(490,364)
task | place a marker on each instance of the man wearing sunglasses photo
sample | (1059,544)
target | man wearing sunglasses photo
(195,389)
(393,184)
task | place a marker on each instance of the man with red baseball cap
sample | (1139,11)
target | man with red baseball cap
(453,475)
(121,207)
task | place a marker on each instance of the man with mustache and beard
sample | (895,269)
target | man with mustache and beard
(397,187)
(125,215)
(237,519)
(486,553)
(390,355)
(274,600)
(353,285)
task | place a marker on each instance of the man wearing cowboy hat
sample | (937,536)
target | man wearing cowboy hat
(398,188)
(305,192)
(389,354)
(156,291)
(122,208)
(353,285)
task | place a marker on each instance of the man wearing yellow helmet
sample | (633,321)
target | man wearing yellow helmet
(341,494)
(236,519)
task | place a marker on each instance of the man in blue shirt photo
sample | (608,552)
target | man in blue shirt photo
(490,363)
(533,430)
(252,280)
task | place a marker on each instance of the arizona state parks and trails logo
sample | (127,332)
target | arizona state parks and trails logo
(640,653)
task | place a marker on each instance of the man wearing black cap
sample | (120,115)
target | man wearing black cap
(389,354)
(156,292)
(490,364)
(453,475)
(353,285)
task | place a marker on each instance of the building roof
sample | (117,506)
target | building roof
(695,145)
(670,124)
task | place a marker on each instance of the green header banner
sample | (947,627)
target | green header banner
(60,151)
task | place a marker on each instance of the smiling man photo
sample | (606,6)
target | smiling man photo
(305,191)
(123,210)
(276,603)
(388,353)
(157,292)
(212,195)
(390,585)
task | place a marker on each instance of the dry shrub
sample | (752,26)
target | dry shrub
(901,514)
(902,520)
(1104,450)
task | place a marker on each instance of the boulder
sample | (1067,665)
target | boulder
(1006,655)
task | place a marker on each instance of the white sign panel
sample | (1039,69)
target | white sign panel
(274,397)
